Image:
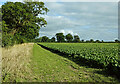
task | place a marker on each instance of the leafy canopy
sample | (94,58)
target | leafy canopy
(44,39)
(22,21)
(76,38)
(22,18)
(60,37)
(69,37)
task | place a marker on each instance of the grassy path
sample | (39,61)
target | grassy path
(50,67)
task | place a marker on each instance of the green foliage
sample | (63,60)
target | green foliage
(44,39)
(69,37)
(117,41)
(76,38)
(97,41)
(82,40)
(38,39)
(52,39)
(0,25)
(18,39)
(91,40)
(7,40)
(60,37)
(22,21)
(102,41)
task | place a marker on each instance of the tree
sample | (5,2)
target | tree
(22,18)
(44,39)
(91,40)
(97,41)
(38,39)
(87,41)
(116,41)
(6,38)
(69,37)
(76,38)
(102,41)
(0,21)
(82,40)
(60,37)
(53,39)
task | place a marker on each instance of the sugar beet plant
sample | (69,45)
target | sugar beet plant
(101,55)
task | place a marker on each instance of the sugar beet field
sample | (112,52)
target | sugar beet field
(61,62)
(105,55)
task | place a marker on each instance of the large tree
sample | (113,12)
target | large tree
(76,38)
(91,40)
(22,19)
(82,40)
(116,40)
(45,39)
(52,39)
(60,37)
(97,41)
(69,37)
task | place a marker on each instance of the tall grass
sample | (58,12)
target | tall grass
(0,64)
(16,63)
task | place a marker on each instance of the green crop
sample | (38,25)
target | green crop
(104,54)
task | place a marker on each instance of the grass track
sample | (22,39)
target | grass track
(50,67)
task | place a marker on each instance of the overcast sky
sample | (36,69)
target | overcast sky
(89,20)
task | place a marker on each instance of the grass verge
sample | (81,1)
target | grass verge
(16,63)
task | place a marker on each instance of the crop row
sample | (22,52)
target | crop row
(104,54)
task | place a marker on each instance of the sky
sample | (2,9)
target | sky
(89,20)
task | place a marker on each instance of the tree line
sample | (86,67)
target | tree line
(60,37)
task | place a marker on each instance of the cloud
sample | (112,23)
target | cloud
(65,0)
(83,19)
(65,32)
(62,31)
(75,34)
(86,12)
(71,32)
(79,0)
